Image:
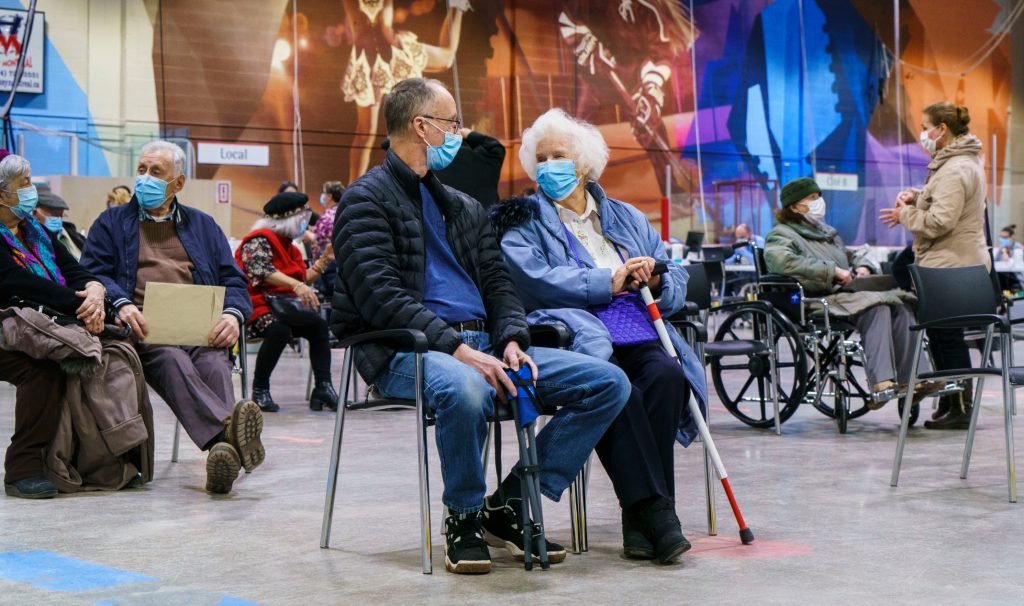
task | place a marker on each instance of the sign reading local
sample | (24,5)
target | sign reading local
(233,153)
(837,181)
(13,25)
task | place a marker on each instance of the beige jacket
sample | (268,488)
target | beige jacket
(947,217)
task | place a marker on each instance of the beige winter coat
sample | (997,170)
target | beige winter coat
(947,217)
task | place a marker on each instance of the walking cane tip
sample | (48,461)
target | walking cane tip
(746,536)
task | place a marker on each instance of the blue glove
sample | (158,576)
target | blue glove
(526,395)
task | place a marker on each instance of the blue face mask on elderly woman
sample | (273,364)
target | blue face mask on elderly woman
(28,197)
(557,178)
(440,156)
(150,191)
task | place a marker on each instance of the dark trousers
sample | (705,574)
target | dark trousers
(948,349)
(40,385)
(276,337)
(638,449)
(196,384)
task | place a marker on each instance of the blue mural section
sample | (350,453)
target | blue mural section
(795,105)
(63,107)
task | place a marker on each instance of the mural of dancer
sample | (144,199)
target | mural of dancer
(627,50)
(380,57)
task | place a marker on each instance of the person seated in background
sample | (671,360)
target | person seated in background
(329,198)
(804,247)
(745,255)
(156,238)
(413,253)
(287,186)
(35,267)
(120,195)
(274,268)
(476,169)
(50,213)
(1007,245)
(571,249)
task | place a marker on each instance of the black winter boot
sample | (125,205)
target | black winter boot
(323,396)
(959,415)
(263,400)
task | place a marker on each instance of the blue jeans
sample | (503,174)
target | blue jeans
(589,394)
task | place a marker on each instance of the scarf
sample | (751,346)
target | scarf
(38,256)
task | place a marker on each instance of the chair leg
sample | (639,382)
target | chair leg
(332,473)
(177,440)
(773,371)
(421,439)
(1009,404)
(709,492)
(975,408)
(243,362)
(907,405)
(485,456)
(309,383)
(578,510)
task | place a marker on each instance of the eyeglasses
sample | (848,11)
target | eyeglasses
(456,125)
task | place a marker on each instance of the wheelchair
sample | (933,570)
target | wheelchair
(812,357)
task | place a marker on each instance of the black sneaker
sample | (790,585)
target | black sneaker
(662,525)
(502,529)
(635,544)
(35,487)
(465,551)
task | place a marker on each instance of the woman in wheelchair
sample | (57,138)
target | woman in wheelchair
(802,246)
(577,257)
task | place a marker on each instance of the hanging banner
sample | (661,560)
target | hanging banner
(12,37)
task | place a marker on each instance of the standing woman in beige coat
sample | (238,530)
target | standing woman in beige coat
(947,220)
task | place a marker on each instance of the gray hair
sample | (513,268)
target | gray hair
(286,228)
(587,145)
(177,154)
(408,99)
(13,167)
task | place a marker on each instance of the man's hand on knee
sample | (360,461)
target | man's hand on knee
(489,367)
(225,332)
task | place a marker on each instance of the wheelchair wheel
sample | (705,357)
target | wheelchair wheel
(742,380)
(841,405)
(915,412)
(850,391)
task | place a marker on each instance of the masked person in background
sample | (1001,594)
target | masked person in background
(804,247)
(50,212)
(155,238)
(947,220)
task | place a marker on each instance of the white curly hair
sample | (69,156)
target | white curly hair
(587,146)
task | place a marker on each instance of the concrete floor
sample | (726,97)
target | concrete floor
(829,528)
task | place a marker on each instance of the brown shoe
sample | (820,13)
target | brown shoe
(243,433)
(881,393)
(222,467)
(957,419)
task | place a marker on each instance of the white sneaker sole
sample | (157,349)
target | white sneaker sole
(554,557)
(466,566)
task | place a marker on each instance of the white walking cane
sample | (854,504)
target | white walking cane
(746,535)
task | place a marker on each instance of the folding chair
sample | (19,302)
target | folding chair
(963,297)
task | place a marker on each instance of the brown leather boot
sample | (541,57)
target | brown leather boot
(959,415)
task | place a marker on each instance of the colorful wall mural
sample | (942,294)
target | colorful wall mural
(775,89)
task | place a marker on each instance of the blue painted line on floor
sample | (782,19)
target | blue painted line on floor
(48,570)
(230,601)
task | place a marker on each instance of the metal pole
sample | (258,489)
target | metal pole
(992,192)
(899,94)
(696,121)
(74,156)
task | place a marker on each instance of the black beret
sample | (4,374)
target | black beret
(52,200)
(285,205)
(797,190)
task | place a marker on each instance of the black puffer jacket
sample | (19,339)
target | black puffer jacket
(378,241)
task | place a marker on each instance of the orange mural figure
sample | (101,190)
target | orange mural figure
(380,57)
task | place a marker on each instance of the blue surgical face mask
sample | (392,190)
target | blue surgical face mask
(1006,242)
(28,197)
(557,178)
(440,156)
(150,191)
(303,227)
(54,224)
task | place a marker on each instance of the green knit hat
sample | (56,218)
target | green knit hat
(797,190)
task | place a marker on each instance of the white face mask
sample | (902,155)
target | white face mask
(926,142)
(816,210)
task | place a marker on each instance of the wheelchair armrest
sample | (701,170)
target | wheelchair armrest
(698,328)
(550,335)
(689,309)
(1000,323)
(777,280)
(762,305)
(402,339)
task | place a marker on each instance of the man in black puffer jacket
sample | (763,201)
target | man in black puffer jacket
(413,253)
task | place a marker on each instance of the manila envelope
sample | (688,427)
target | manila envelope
(181,314)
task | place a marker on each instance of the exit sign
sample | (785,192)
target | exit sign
(837,181)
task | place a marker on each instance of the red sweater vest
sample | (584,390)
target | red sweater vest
(287,260)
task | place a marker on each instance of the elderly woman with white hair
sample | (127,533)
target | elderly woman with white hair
(284,304)
(578,257)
